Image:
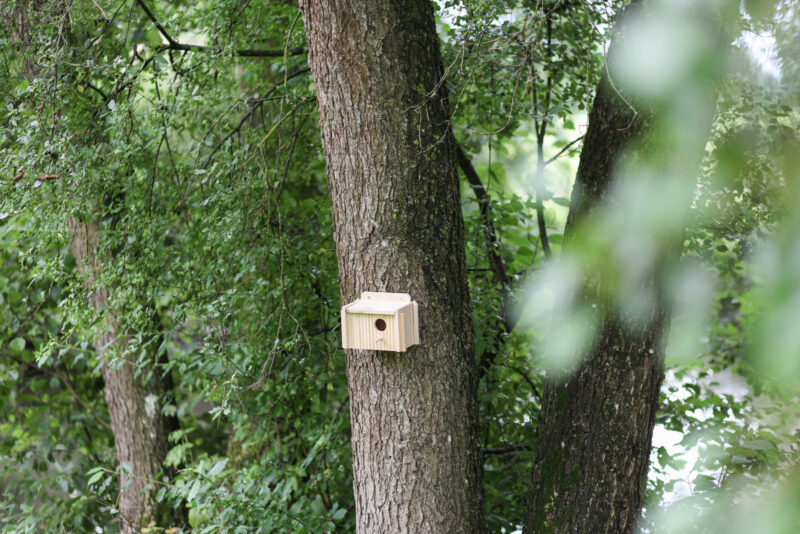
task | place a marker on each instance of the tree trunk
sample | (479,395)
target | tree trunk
(595,430)
(134,405)
(140,429)
(392,173)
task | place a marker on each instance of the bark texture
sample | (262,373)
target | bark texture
(134,405)
(593,445)
(393,178)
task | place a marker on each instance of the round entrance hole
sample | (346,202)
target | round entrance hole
(380,324)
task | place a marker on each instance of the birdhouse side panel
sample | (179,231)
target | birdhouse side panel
(415,327)
(408,329)
(398,331)
(345,329)
(401,328)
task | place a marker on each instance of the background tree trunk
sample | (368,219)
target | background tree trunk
(134,403)
(140,429)
(593,445)
(392,173)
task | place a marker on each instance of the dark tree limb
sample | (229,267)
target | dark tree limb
(521,372)
(504,450)
(496,263)
(540,135)
(249,52)
(506,320)
(172,44)
(560,152)
(542,225)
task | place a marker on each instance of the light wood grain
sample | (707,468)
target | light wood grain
(397,310)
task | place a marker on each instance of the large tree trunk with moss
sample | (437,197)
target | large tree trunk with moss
(392,173)
(134,401)
(595,429)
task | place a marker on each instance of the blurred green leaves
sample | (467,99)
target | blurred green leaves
(205,173)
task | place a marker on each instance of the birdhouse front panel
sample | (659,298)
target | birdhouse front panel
(374,332)
(380,321)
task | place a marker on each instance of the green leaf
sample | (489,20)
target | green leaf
(17,344)
(218,467)
(174,456)
(704,483)
(194,517)
(194,491)
(758,445)
(95,477)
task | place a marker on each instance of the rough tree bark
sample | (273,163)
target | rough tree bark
(393,179)
(140,429)
(596,426)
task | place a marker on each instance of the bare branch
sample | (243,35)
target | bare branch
(250,52)
(172,44)
(506,320)
(158,25)
(505,450)
(484,202)
(527,379)
(560,152)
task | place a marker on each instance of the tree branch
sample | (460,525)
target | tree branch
(172,44)
(252,110)
(527,379)
(158,25)
(484,202)
(250,52)
(560,152)
(505,450)
(540,164)
(505,321)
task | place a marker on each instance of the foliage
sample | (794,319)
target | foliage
(204,170)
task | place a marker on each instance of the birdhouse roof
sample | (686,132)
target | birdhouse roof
(379,303)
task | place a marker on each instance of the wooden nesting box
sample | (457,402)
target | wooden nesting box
(380,321)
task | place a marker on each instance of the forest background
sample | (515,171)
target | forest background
(167,249)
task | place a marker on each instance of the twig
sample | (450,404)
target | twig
(247,115)
(560,152)
(527,379)
(97,90)
(152,17)
(44,177)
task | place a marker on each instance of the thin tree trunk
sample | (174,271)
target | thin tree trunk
(392,173)
(140,429)
(134,403)
(595,430)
